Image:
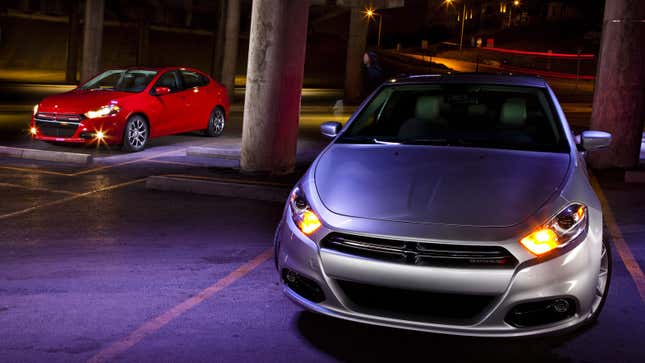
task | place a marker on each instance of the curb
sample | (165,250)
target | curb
(220,187)
(214,152)
(46,155)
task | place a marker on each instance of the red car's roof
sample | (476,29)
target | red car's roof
(160,69)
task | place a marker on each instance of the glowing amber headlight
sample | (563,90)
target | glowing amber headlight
(565,227)
(305,218)
(540,241)
(33,130)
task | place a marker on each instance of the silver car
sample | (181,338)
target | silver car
(454,204)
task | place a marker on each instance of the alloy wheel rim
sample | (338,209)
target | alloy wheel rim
(217,121)
(601,283)
(137,133)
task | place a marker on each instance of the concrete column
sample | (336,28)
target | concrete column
(231,38)
(273,85)
(217,51)
(92,38)
(355,49)
(619,97)
(73,40)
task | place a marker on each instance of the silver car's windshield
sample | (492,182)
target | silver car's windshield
(134,80)
(494,116)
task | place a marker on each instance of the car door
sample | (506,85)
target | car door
(171,107)
(197,99)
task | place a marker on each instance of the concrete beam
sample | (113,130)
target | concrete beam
(619,100)
(92,38)
(274,85)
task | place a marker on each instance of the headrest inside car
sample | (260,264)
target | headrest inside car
(427,108)
(513,112)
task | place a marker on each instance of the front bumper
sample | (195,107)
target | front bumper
(76,129)
(571,275)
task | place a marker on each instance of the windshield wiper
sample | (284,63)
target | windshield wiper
(426,141)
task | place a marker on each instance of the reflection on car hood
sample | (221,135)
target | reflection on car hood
(79,101)
(445,185)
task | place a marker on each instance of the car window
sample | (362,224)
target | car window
(168,79)
(492,116)
(192,79)
(134,80)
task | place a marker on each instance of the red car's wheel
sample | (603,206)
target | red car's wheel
(135,136)
(216,122)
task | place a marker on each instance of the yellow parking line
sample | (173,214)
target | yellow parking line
(619,242)
(228,180)
(151,326)
(10,185)
(73,197)
(35,170)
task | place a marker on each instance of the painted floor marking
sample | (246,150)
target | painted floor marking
(38,189)
(70,198)
(151,326)
(619,242)
(228,180)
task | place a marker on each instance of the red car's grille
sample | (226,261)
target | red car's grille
(60,117)
(54,124)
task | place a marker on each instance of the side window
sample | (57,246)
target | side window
(168,79)
(192,79)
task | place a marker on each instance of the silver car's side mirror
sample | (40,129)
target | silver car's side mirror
(331,129)
(594,140)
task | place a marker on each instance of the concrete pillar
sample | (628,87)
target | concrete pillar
(273,85)
(73,40)
(92,38)
(355,48)
(217,51)
(619,97)
(231,38)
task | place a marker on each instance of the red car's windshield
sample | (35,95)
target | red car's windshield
(134,80)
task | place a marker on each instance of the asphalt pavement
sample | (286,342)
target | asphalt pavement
(94,267)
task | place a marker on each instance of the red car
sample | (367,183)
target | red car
(129,106)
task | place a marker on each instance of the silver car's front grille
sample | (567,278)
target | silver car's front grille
(421,253)
(417,305)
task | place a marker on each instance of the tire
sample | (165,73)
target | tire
(136,134)
(216,122)
(606,268)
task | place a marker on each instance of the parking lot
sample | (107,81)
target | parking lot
(95,267)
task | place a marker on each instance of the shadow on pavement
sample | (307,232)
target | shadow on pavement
(350,341)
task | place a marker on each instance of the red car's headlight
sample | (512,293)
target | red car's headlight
(103,111)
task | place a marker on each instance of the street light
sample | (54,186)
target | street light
(463,23)
(371,14)
(516,3)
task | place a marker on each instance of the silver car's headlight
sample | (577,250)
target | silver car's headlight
(301,213)
(103,111)
(559,231)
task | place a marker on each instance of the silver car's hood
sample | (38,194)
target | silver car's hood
(443,185)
